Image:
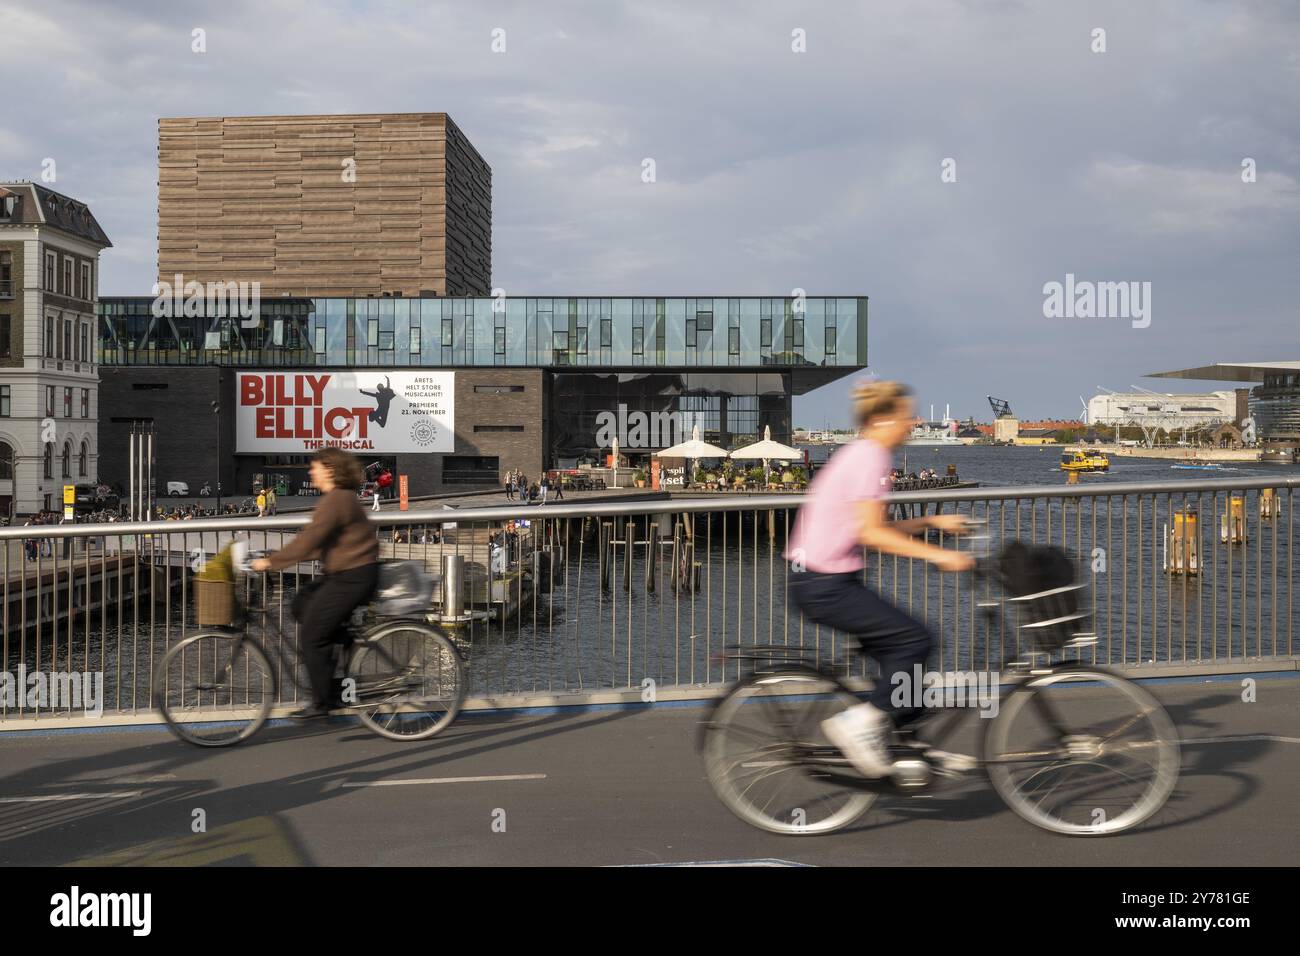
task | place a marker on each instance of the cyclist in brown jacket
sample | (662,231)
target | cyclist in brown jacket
(342,538)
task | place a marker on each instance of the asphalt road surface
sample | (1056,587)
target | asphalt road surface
(602,787)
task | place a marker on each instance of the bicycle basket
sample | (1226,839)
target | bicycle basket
(1040,583)
(404,590)
(214,603)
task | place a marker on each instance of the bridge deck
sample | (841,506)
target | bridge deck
(603,787)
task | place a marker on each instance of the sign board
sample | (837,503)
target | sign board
(672,472)
(69,513)
(405,501)
(380,412)
(69,494)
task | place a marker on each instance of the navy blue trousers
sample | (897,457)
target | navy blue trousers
(893,638)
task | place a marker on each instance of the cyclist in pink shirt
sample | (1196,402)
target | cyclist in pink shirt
(844,514)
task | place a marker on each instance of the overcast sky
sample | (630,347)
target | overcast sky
(775,169)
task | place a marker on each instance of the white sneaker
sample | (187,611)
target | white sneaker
(862,733)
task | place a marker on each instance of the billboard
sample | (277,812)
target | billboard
(371,412)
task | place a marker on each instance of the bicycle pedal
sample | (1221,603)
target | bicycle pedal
(951,763)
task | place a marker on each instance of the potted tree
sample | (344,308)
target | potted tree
(639,478)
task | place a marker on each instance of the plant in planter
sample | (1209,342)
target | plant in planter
(639,478)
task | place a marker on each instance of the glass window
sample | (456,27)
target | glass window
(81,460)
(4,403)
(49,460)
(51,267)
(85,403)
(67,402)
(49,401)
(415,340)
(4,336)
(67,460)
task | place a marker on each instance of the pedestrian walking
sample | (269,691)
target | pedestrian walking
(261,504)
(559,488)
(510,485)
(270,501)
(375,505)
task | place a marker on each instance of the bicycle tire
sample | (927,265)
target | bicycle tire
(1164,745)
(791,683)
(398,717)
(186,724)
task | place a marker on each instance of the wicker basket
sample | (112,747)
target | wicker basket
(214,603)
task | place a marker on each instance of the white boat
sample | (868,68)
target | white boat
(935,433)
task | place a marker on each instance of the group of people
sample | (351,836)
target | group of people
(925,474)
(518,488)
(42,547)
(503,547)
(265,502)
(422,536)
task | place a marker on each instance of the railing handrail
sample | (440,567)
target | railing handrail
(658,505)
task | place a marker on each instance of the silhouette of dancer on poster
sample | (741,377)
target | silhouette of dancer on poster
(384,395)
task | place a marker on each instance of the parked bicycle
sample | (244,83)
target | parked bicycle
(1074,748)
(403,678)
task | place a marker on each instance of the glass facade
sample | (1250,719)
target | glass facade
(652,410)
(1275,406)
(588,332)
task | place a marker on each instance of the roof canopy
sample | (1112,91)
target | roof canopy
(1230,371)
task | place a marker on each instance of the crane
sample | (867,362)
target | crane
(1001,407)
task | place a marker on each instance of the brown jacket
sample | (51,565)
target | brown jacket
(340,535)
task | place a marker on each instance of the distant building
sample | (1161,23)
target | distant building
(1273,404)
(1036,436)
(1006,428)
(334,206)
(49,382)
(1169,412)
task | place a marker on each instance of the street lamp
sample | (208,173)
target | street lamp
(216,410)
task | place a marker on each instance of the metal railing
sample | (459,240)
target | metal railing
(594,597)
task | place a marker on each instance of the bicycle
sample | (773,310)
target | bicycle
(1027,765)
(404,679)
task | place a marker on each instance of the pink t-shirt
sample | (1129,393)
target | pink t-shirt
(825,535)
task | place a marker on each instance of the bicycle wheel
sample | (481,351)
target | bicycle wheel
(409,681)
(214,689)
(770,764)
(1082,752)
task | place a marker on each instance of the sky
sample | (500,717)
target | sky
(947,159)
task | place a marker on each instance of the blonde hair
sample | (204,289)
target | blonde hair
(873,398)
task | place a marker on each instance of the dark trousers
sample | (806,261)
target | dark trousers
(323,614)
(897,641)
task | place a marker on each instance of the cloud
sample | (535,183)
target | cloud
(775,169)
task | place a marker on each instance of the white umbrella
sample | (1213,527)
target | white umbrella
(693,449)
(615,462)
(766,450)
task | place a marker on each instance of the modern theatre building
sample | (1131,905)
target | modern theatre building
(373,324)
